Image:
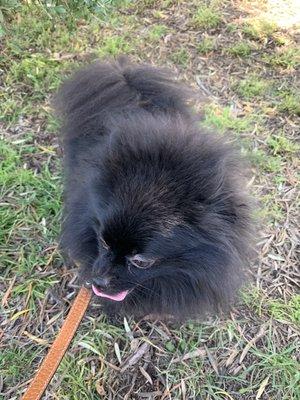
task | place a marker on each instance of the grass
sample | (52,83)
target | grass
(207,45)
(29,217)
(157,32)
(259,29)
(36,74)
(272,212)
(275,308)
(27,82)
(279,144)
(290,103)
(75,384)
(223,119)
(14,362)
(286,58)
(41,43)
(207,17)
(267,163)
(115,45)
(180,57)
(41,48)
(284,360)
(241,49)
(252,86)
(289,311)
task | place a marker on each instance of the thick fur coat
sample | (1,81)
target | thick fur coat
(156,212)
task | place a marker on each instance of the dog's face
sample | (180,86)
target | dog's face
(115,274)
(133,255)
(159,266)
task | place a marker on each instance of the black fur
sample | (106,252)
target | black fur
(144,178)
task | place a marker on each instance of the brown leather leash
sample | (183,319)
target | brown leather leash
(60,345)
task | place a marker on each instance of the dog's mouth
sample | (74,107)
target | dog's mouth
(120,296)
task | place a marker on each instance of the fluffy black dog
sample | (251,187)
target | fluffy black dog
(155,209)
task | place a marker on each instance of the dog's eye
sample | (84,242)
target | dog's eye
(141,262)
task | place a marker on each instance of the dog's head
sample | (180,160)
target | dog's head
(167,263)
(166,222)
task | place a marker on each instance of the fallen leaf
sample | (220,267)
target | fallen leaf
(134,358)
(262,388)
(231,358)
(212,360)
(89,347)
(100,389)
(192,354)
(8,292)
(36,339)
(19,313)
(146,375)
(127,329)
(252,342)
(118,353)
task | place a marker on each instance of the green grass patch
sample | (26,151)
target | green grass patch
(286,58)
(36,73)
(272,210)
(279,144)
(77,383)
(289,311)
(29,217)
(15,362)
(42,42)
(55,27)
(36,192)
(157,32)
(207,17)
(254,299)
(188,339)
(36,31)
(32,68)
(252,86)
(276,308)
(240,49)
(266,162)
(282,39)
(207,45)
(259,29)
(280,366)
(66,11)
(232,28)
(79,9)
(224,119)
(180,57)
(115,45)
(290,103)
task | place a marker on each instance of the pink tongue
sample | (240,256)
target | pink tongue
(116,297)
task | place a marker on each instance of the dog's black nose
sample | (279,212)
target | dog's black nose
(101,283)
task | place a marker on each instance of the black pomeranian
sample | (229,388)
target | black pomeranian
(155,209)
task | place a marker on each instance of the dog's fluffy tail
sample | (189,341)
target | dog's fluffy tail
(103,89)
